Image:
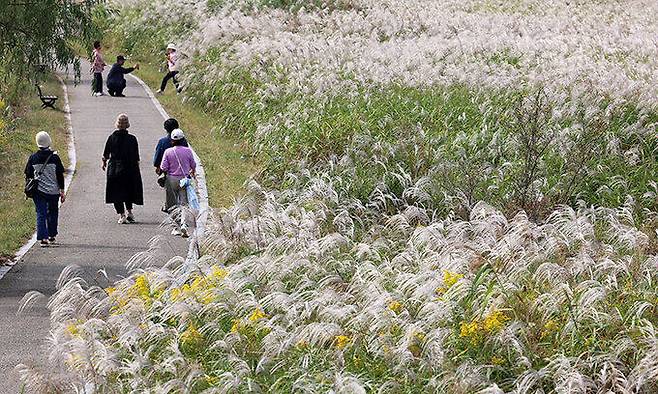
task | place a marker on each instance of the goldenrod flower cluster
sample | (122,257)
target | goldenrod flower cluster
(476,330)
(449,280)
(342,341)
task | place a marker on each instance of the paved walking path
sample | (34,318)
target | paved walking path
(89,234)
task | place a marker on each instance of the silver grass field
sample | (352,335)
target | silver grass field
(456,197)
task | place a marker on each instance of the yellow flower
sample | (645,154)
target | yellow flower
(395,306)
(211,380)
(141,288)
(73,330)
(468,330)
(217,274)
(357,361)
(256,315)
(191,336)
(549,329)
(419,336)
(450,278)
(237,325)
(342,341)
(495,360)
(494,321)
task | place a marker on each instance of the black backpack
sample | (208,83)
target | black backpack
(32,184)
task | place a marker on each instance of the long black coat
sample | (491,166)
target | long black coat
(124,180)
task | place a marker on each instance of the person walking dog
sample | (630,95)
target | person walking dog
(47,169)
(97,67)
(124,181)
(178,164)
(172,66)
(116,81)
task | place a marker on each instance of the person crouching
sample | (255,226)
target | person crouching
(116,82)
(178,163)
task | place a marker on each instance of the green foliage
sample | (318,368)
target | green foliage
(35,33)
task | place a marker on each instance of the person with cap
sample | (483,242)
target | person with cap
(172,66)
(165,143)
(46,166)
(124,181)
(116,81)
(178,163)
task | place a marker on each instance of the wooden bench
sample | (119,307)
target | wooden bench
(46,101)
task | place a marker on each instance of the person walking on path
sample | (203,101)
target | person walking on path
(177,163)
(116,81)
(172,66)
(164,143)
(46,166)
(124,181)
(97,67)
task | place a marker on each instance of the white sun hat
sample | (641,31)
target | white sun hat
(171,46)
(43,140)
(177,134)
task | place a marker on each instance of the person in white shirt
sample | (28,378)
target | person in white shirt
(172,66)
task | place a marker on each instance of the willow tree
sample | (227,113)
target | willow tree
(38,34)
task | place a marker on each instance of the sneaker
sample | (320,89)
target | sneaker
(183,232)
(130,218)
(176,232)
(51,240)
(158,91)
(122,219)
(44,243)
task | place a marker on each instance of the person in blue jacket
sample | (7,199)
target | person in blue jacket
(116,81)
(164,143)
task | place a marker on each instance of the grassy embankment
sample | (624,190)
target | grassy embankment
(17,215)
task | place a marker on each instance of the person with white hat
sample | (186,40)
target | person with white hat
(47,169)
(177,163)
(172,66)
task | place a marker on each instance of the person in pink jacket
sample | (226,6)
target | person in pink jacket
(178,163)
(97,67)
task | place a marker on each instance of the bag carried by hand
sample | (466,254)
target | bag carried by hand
(32,184)
(162,179)
(190,189)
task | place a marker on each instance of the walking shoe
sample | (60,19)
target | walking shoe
(176,232)
(51,240)
(183,232)
(98,94)
(158,91)
(44,243)
(122,219)
(130,218)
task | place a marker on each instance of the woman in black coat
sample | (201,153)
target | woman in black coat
(124,181)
